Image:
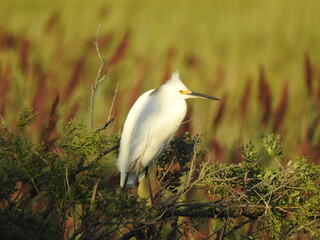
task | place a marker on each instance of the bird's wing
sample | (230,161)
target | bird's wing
(144,129)
(124,159)
(155,127)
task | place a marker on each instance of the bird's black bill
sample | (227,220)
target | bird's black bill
(200,95)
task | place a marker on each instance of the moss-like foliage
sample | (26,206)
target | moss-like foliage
(284,201)
(65,191)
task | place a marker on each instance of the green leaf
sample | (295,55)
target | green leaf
(27,117)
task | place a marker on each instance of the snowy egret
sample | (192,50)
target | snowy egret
(150,124)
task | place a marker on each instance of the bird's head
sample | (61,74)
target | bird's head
(179,89)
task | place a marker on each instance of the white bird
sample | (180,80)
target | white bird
(150,125)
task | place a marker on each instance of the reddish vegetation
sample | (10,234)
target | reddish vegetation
(72,111)
(281,109)
(186,125)
(137,87)
(218,78)
(264,97)
(39,98)
(218,118)
(75,78)
(44,89)
(217,149)
(308,73)
(309,147)
(244,102)
(317,93)
(192,61)
(52,22)
(120,51)
(7,40)
(24,54)
(49,134)
(5,79)
(271,119)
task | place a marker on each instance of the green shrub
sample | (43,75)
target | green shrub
(65,191)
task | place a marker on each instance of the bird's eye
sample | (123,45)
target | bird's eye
(180,91)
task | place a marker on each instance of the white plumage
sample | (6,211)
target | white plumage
(150,125)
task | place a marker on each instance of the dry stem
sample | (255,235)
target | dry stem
(100,77)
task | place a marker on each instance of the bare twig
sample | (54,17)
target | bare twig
(101,155)
(106,125)
(4,124)
(113,100)
(94,193)
(100,77)
(189,120)
(168,169)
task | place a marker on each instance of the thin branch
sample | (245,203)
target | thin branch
(94,193)
(113,100)
(106,125)
(168,169)
(189,120)
(67,181)
(4,125)
(101,155)
(100,77)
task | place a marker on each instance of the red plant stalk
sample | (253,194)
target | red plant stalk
(308,73)
(244,102)
(264,97)
(281,109)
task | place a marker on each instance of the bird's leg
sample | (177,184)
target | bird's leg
(136,184)
(121,197)
(134,189)
(123,193)
(149,184)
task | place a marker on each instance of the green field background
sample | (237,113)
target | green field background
(222,48)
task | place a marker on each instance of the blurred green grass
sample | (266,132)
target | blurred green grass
(216,45)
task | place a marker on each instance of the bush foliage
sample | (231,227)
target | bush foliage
(64,191)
